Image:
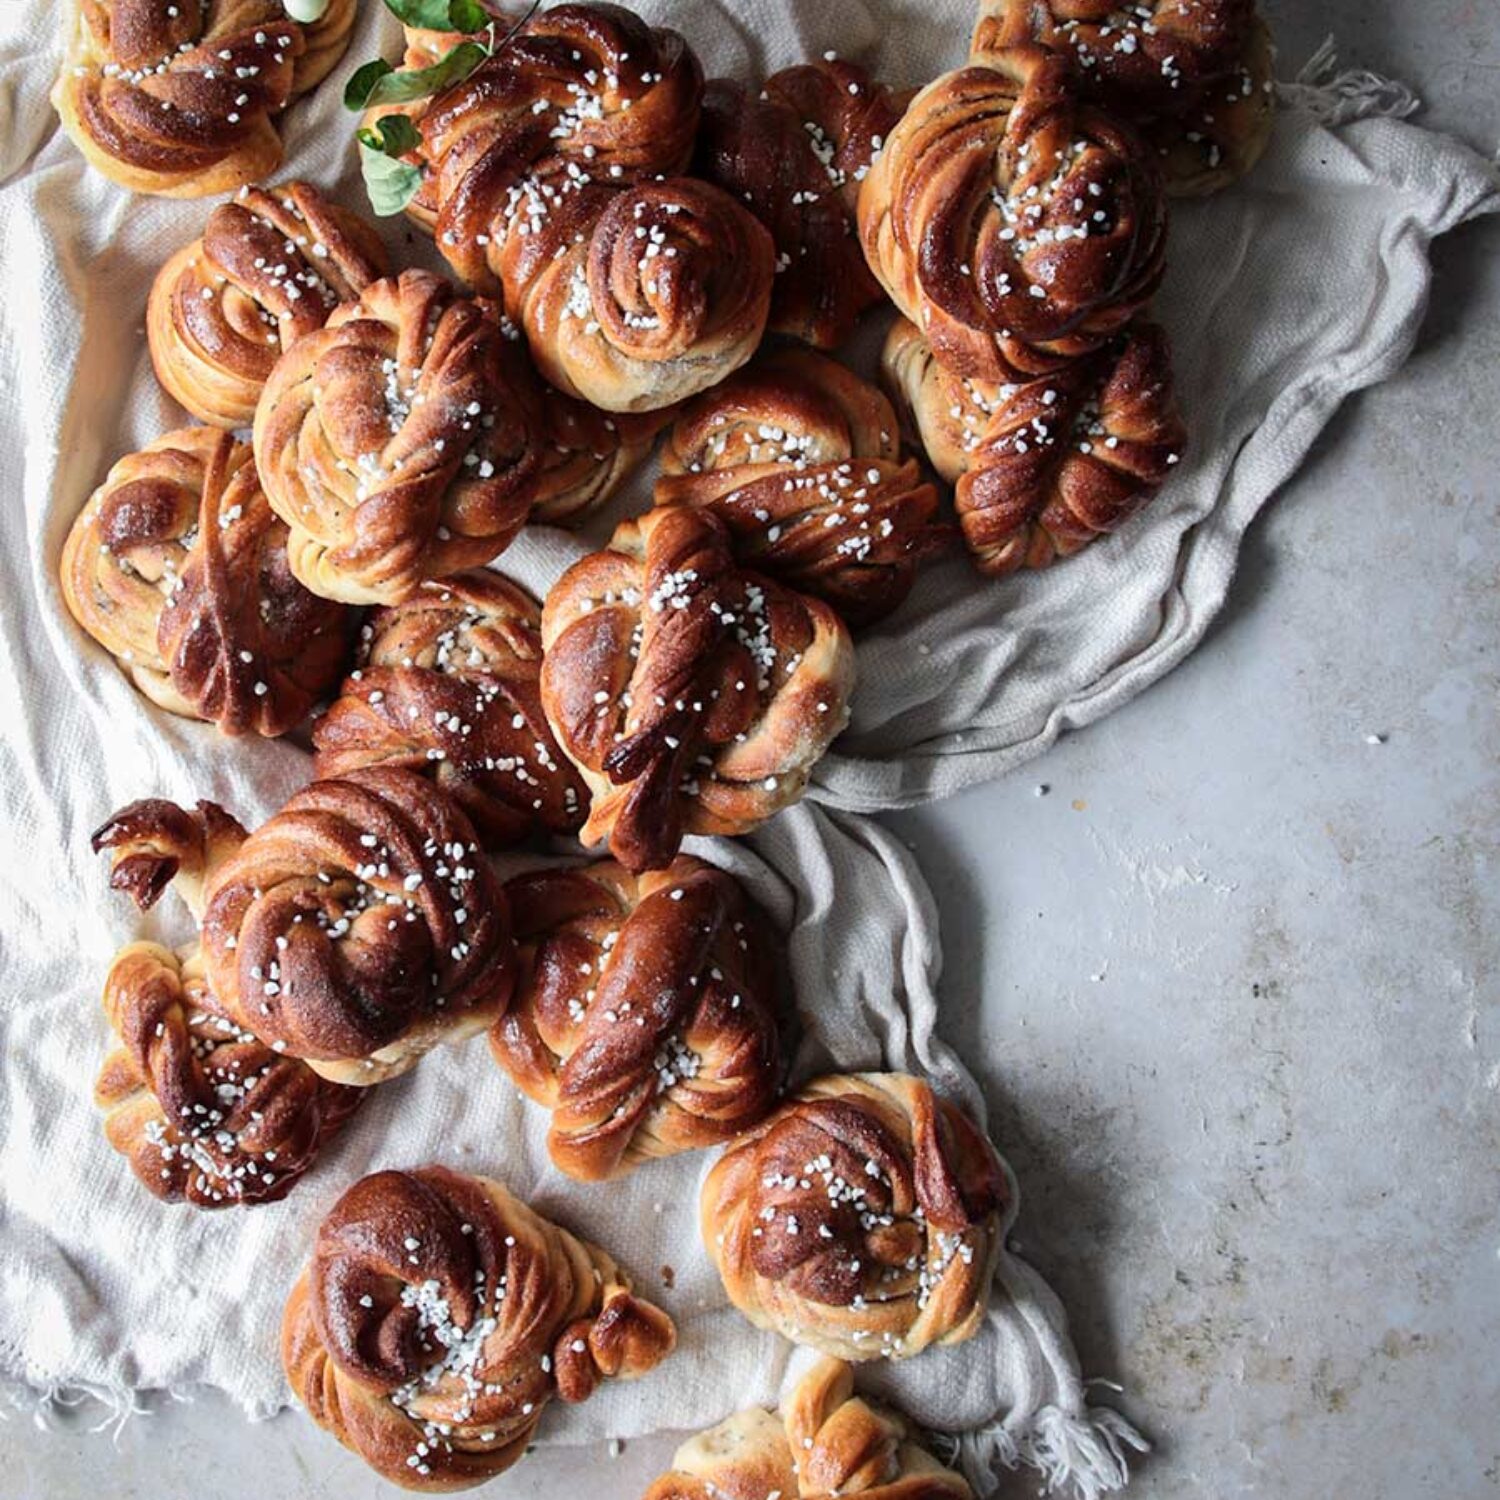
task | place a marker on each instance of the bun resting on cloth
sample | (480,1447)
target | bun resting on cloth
(1043,467)
(1016,225)
(360,927)
(693,696)
(271,265)
(448,684)
(647,1012)
(862,1218)
(393,443)
(438,1317)
(825,1441)
(203,1110)
(181,100)
(178,567)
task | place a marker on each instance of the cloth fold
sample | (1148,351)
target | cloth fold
(1285,295)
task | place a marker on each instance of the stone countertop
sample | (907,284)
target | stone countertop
(1294,1277)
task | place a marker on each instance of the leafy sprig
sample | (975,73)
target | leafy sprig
(390,181)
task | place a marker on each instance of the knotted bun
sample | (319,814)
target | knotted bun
(796,153)
(801,460)
(862,1218)
(201,1108)
(693,696)
(181,99)
(646,1013)
(1043,467)
(1017,226)
(360,927)
(271,265)
(439,1316)
(824,1442)
(1194,75)
(393,444)
(178,567)
(553,183)
(448,684)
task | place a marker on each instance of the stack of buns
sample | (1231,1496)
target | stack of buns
(637,253)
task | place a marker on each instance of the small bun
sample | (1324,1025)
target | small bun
(863,1218)
(694,697)
(647,1012)
(438,1317)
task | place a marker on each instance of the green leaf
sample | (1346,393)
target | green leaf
(357,91)
(390,183)
(394,135)
(378,83)
(441,15)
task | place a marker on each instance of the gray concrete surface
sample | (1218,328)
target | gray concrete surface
(1296,1281)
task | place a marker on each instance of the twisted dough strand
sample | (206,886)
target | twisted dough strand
(448,683)
(646,1013)
(155,844)
(440,1314)
(179,569)
(271,265)
(801,460)
(180,99)
(862,1218)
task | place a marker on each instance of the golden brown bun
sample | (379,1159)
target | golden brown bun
(360,927)
(667,294)
(863,1218)
(1044,467)
(824,1442)
(393,443)
(646,1013)
(438,1317)
(586,100)
(796,153)
(448,684)
(1196,78)
(801,460)
(181,100)
(178,567)
(1016,225)
(693,696)
(202,1109)
(553,183)
(272,264)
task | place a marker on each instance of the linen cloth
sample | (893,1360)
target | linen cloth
(1286,294)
